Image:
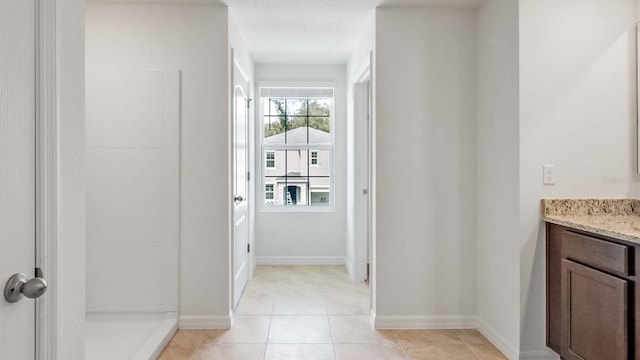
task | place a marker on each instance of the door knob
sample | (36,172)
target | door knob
(238,198)
(18,286)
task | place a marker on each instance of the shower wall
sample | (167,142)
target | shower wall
(132,149)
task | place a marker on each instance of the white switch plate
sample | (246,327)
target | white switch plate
(549,174)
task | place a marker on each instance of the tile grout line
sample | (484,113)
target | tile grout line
(471,349)
(333,342)
(404,351)
(264,355)
(193,351)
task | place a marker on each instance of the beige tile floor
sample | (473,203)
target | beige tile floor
(318,313)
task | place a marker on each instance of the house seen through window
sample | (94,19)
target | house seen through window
(297,146)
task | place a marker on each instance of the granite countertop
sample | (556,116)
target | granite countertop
(615,218)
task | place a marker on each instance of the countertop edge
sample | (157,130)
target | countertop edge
(592,229)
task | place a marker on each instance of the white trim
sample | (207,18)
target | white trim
(362,106)
(262,148)
(205,322)
(539,355)
(363,71)
(296,84)
(300,260)
(425,322)
(373,249)
(46,177)
(157,341)
(637,97)
(349,265)
(372,318)
(498,341)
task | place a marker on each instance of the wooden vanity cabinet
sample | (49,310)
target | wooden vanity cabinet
(591,296)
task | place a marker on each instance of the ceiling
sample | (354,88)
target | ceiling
(312,31)
(301,31)
(306,31)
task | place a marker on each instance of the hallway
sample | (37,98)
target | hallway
(317,312)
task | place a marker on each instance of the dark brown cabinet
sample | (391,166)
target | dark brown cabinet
(594,314)
(591,296)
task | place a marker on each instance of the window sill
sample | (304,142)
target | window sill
(300,209)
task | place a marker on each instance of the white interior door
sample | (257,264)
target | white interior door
(240,164)
(17,171)
(362,177)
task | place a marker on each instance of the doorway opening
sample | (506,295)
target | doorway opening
(301,146)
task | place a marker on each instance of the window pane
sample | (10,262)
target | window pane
(274,162)
(319,107)
(296,130)
(323,167)
(320,198)
(296,107)
(272,128)
(274,120)
(297,177)
(322,124)
(295,191)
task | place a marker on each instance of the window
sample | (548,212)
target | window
(297,131)
(270,160)
(268,191)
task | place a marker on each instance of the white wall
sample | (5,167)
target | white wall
(300,235)
(425,83)
(132,179)
(70,276)
(194,40)
(497,174)
(577,111)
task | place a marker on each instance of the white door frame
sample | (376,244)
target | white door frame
(46,176)
(233,63)
(366,73)
(361,100)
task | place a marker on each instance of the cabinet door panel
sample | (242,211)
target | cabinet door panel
(594,317)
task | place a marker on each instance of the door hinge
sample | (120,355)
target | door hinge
(248,248)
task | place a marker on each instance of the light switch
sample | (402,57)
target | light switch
(549,174)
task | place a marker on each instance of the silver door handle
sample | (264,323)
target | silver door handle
(238,198)
(18,286)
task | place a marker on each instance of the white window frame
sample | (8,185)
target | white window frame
(311,158)
(263,148)
(266,159)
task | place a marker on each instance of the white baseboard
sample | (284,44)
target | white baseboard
(424,322)
(252,267)
(372,318)
(300,260)
(498,341)
(204,322)
(539,355)
(157,341)
(349,265)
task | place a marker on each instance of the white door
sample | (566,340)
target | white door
(240,161)
(17,172)
(362,175)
